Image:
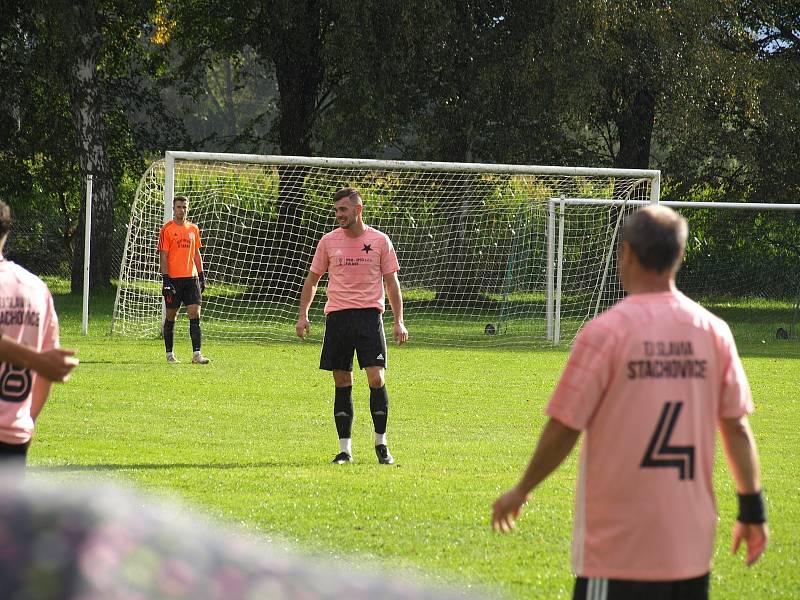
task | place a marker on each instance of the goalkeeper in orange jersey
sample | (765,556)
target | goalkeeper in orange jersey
(183,279)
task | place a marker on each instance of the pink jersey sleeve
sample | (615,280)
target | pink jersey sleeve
(585,377)
(389,263)
(319,264)
(736,398)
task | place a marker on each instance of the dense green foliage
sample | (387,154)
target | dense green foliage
(703,90)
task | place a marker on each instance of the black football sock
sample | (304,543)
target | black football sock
(379,407)
(169,335)
(194,333)
(343,411)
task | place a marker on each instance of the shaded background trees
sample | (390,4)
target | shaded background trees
(705,91)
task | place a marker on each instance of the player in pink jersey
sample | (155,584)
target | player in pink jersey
(359,261)
(648,382)
(28,348)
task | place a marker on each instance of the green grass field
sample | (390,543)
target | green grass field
(248,438)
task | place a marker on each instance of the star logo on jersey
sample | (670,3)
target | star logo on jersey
(367,248)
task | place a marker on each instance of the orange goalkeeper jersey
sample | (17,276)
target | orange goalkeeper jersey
(180,242)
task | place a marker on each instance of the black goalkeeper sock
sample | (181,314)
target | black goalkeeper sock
(194,333)
(169,335)
(343,411)
(379,407)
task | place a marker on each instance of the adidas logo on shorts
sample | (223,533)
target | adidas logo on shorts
(379,357)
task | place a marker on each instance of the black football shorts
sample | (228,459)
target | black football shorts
(695,588)
(355,329)
(187,291)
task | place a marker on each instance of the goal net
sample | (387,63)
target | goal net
(742,262)
(472,241)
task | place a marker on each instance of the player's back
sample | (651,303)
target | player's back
(660,370)
(28,317)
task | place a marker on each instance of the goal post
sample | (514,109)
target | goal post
(472,241)
(600,280)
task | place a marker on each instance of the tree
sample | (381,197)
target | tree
(92,56)
(622,65)
(770,31)
(440,81)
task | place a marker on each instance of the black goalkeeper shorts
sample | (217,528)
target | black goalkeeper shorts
(695,588)
(187,291)
(355,329)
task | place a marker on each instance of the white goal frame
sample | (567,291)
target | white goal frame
(651,177)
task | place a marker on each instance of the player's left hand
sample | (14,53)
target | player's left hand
(55,364)
(506,510)
(302,327)
(400,333)
(755,537)
(201,276)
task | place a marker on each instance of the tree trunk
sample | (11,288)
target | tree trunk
(295,45)
(284,242)
(87,115)
(458,283)
(635,130)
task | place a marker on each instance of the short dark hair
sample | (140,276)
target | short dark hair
(350,193)
(657,235)
(180,199)
(5,218)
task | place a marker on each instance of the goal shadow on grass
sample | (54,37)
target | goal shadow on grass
(166,466)
(118,362)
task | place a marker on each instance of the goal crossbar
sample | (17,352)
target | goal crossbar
(408,165)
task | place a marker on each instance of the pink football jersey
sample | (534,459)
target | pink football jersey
(27,316)
(355,267)
(647,381)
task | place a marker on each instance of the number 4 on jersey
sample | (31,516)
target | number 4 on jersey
(659,452)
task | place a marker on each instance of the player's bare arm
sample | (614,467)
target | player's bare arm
(306,297)
(399,331)
(198,261)
(54,365)
(555,444)
(742,456)
(198,264)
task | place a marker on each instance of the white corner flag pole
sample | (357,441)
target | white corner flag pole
(87,236)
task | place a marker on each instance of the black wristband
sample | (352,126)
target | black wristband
(201,276)
(165,278)
(751,508)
